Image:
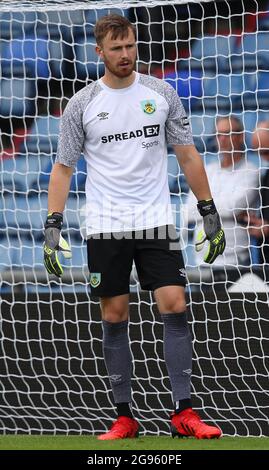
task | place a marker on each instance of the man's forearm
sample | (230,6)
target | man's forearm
(197,179)
(59,187)
(194,171)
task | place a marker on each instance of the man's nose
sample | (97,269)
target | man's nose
(124,52)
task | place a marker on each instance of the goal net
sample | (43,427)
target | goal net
(52,376)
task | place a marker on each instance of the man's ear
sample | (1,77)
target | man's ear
(98,50)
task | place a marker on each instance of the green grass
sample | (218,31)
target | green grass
(25,442)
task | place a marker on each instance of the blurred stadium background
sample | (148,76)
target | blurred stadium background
(216,55)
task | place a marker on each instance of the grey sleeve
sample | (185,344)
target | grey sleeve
(71,136)
(177,126)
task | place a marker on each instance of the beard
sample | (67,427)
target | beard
(118,70)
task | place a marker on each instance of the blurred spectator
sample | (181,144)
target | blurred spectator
(258,226)
(234,183)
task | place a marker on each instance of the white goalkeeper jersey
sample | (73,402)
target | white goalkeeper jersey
(123,134)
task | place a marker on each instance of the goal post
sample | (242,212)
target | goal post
(52,376)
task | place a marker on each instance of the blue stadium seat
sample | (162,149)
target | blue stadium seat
(59,24)
(256,94)
(253,59)
(38,207)
(173,173)
(43,136)
(13,174)
(249,120)
(72,212)
(77,181)
(16,214)
(24,252)
(8,253)
(20,173)
(61,58)
(30,52)
(24,216)
(223,91)
(17,97)
(203,129)
(255,47)
(17,24)
(41,57)
(79,177)
(188,85)
(88,66)
(211,52)
(85,25)
(28,254)
(176,179)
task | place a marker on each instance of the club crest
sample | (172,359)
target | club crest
(95,279)
(148,106)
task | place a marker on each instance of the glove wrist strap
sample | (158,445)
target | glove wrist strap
(55,214)
(54,219)
(206,207)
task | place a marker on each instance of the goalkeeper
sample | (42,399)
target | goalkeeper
(123,123)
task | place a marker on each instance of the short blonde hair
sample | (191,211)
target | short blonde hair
(118,25)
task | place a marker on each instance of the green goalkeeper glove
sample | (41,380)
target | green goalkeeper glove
(212,232)
(54,242)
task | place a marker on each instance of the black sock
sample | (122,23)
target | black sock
(182,405)
(118,359)
(178,354)
(124,409)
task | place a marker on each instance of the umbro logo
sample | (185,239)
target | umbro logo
(182,272)
(102,116)
(115,378)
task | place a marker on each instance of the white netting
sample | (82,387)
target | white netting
(46,5)
(52,374)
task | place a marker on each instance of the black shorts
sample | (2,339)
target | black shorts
(156,253)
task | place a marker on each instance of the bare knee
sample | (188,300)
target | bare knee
(171,299)
(173,306)
(115,309)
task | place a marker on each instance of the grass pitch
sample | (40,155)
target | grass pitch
(25,442)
